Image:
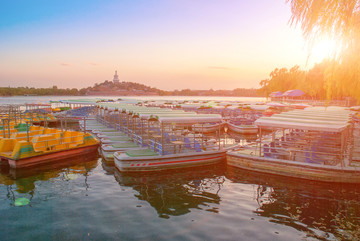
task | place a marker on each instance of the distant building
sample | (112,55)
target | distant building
(116,78)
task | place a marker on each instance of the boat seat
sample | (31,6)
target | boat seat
(36,128)
(162,150)
(51,131)
(12,131)
(187,143)
(313,157)
(267,151)
(41,142)
(66,138)
(273,148)
(7,145)
(72,138)
(20,136)
(167,137)
(55,142)
(197,147)
(152,145)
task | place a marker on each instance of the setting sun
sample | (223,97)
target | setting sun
(324,48)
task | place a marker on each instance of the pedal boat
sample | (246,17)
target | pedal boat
(18,152)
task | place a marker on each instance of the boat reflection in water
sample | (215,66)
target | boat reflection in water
(322,210)
(175,193)
(25,179)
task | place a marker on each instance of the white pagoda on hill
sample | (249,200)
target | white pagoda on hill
(116,78)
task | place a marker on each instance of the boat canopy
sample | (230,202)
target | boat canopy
(315,120)
(312,118)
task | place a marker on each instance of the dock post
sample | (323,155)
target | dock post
(342,149)
(219,136)
(260,133)
(27,132)
(3,125)
(65,122)
(46,121)
(84,125)
(162,138)
(8,122)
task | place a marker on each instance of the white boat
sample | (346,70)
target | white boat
(148,160)
(208,127)
(166,154)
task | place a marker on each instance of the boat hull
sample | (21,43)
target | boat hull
(243,129)
(167,162)
(51,157)
(302,170)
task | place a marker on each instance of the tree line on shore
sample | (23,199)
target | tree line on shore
(12,91)
(315,82)
(131,87)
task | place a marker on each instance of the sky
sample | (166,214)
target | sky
(167,44)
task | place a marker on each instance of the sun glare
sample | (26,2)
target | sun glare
(324,49)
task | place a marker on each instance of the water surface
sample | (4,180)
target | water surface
(85,199)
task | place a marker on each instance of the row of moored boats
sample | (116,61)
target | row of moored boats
(315,143)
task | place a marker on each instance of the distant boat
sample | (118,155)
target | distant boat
(242,129)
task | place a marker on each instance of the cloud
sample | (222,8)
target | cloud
(65,64)
(94,64)
(219,67)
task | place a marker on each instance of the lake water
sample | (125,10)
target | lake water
(86,199)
